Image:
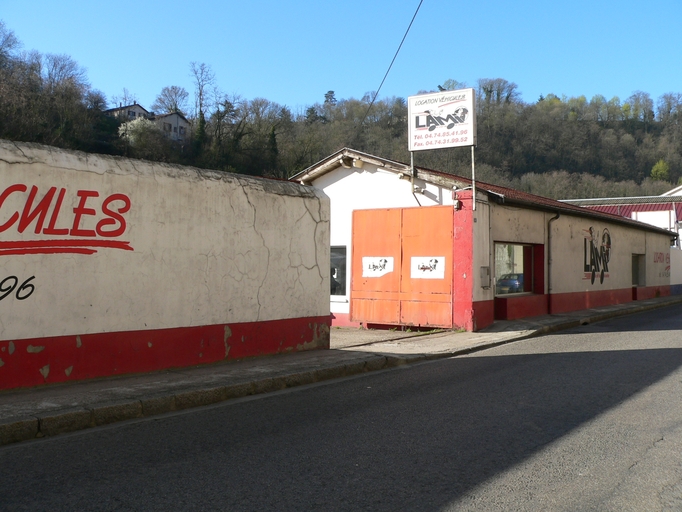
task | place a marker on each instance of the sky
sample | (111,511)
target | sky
(293,52)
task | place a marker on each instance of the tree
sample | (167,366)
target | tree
(330,98)
(669,107)
(171,99)
(452,85)
(203,78)
(146,139)
(497,91)
(126,98)
(660,171)
(8,43)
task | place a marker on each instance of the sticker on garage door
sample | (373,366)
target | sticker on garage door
(427,267)
(376,266)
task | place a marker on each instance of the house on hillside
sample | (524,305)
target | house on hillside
(174,125)
(128,112)
(419,247)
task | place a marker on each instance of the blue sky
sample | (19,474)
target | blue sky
(292,53)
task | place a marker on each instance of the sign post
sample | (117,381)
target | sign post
(443,120)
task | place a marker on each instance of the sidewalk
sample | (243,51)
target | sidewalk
(51,410)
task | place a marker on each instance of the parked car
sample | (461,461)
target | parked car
(510,283)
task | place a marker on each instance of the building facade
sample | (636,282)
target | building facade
(423,248)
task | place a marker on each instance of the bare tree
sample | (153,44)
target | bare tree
(204,78)
(8,43)
(126,98)
(171,99)
(61,71)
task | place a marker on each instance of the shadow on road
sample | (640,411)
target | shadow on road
(416,439)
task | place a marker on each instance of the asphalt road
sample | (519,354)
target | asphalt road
(588,419)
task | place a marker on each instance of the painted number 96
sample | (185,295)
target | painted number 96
(9,284)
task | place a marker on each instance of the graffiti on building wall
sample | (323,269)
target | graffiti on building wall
(63,229)
(11,283)
(596,254)
(661,259)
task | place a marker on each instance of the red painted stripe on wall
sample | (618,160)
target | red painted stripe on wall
(513,308)
(33,362)
(484,314)
(650,292)
(564,302)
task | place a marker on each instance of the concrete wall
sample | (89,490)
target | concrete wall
(572,282)
(573,239)
(675,271)
(118,265)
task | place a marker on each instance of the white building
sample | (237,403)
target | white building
(422,248)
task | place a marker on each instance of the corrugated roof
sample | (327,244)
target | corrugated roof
(502,195)
(626,210)
(625,200)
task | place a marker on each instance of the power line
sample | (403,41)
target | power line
(390,66)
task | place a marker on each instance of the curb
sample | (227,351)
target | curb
(60,421)
(13,430)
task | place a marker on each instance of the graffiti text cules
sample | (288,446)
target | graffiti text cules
(112,225)
(47,216)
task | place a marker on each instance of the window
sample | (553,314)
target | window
(338,271)
(131,114)
(182,130)
(167,127)
(513,268)
(175,129)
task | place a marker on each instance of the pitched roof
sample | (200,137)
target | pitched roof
(674,192)
(347,157)
(126,107)
(179,114)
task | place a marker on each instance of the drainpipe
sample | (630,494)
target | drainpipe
(549,262)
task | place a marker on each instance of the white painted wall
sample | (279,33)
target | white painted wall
(179,127)
(662,219)
(207,248)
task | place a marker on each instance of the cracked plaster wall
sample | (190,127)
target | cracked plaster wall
(208,248)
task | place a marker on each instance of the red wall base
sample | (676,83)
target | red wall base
(513,308)
(38,361)
(565,302)
(650,292)
(484,314)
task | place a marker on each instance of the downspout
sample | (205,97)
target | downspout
(549,262)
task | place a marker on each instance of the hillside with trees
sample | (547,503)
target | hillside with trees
(558,147)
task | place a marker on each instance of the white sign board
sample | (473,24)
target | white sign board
(376,266)
(442,120)
(427,267)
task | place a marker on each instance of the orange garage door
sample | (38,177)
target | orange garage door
(402,266)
